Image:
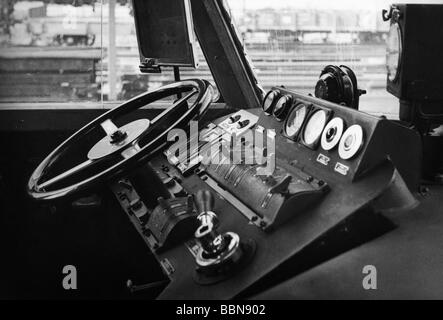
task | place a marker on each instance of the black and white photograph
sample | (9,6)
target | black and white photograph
(242,151)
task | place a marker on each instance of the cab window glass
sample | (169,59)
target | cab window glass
(122,78)
(50,51)
(75,51)
(125,80)
(86,50)
(290,42)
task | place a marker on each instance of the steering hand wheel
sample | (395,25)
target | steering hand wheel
(123,148)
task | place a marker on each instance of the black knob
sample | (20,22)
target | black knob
(233,119)
(204,200)
(242,124)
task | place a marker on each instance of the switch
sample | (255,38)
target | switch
(242,124)
(233,119)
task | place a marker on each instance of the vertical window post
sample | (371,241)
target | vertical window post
(112,54)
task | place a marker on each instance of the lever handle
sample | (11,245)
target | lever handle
(204,200)
(134,288)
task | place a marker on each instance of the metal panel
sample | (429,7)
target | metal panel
(224,55)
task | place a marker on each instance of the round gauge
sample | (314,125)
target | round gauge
(295,120)
(269,101)
(332,133)
(351,142)
(281,107)
(314,127)
(393,51)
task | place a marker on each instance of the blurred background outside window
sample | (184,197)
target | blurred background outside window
(86,50)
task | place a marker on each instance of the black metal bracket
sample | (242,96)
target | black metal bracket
(149,66)
(177,78)
(393,13)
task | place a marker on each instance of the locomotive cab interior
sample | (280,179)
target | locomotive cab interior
(221,189)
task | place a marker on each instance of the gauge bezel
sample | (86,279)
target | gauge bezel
(400,53)
(296,106)
(333,143)
(284,111)
(270,110)
(313,110)
(351,152)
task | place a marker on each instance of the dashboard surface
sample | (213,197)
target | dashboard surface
(332,167)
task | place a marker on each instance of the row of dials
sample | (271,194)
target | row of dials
(312,125)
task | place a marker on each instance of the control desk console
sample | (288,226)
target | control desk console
(261,195)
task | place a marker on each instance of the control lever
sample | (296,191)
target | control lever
(206,233)
(204,201)
(148,286)
(220,254)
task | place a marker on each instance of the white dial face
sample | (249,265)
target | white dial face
(332,133)
(393,53)
(314,127)
(295,120)
(351,142)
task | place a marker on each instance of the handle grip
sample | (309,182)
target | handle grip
(204,200)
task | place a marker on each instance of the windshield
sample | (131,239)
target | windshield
(290,42)
(86,51)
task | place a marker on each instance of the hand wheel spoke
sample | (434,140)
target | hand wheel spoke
(69,173)
(109,127)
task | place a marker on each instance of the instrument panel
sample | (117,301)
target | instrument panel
(313,125)
(326,156)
